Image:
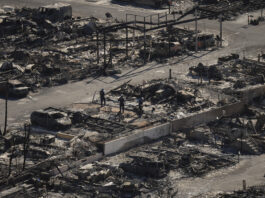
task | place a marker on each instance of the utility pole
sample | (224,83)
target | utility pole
(169,41)
(248,18)
(144,41)
(27,129)
(241,145)
(127,42)
(6,100)
(221,29)
(151,21)
(104,49)
(169,6)
(134,30)
(166,19)
(11,158)
(110,51)
(126,37)
(196,30)
(97,48)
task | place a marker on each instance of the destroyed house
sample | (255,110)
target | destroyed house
(9,26)
(56,12)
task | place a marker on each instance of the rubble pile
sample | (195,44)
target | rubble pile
(148,166)
(253,191)
(90,180)
(82,147)
(230,8)
(32,169)
(172,154)
(16,147)
(163,95)
(143,172)
(244,132)
(231,73)
(195,163)
(102,180)
(40,50)
(210,72)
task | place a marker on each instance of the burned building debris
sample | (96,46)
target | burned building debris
(230,8)
(253,191)
(145,138)
(41,49)
(66,146)
(162,96)
(231,73)
(241,133)
(191,162)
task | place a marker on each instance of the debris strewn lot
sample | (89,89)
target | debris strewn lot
(61,152)
(64,161)
(43,50)
(255,191)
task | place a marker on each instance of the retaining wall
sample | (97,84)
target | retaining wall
(146,135)
(143,136)
(250,94)
(137,138)
(207,116)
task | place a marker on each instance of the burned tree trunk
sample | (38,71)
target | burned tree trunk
(26,143)
(11,158)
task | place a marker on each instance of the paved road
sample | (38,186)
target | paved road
(251,169)
(84,8)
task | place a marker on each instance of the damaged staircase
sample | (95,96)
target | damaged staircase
(251,146)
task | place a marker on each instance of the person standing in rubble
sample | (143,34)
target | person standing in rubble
(140,105)
(218,39)
(102,98)
(122,102)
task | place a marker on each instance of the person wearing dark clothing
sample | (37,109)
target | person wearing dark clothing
(218,39)
(122,102)
(140,105)
(102,98)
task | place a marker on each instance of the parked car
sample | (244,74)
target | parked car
(51,118)
(56,12)
(15,88)
(227,58)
